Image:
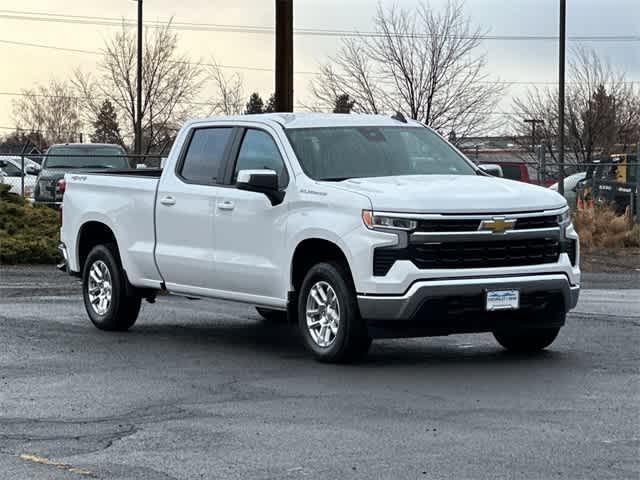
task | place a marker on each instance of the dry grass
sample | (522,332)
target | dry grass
(601,227)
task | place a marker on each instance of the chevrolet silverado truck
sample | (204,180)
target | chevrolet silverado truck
(355,227)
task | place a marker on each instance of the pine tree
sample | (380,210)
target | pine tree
(344,104)
(255,104)
(271,104)
(106,128)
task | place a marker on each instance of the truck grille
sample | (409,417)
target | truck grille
(471,254)
(467,225)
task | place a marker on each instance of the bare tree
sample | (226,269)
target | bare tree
(351,72)
(229,91)
(170,82)
(52,110)
(423,62)
(602,109)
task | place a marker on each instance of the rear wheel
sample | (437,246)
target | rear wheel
(275,316)
(328,315)
(108,299)
(526,340)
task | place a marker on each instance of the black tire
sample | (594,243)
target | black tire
(122,311)
(526,340)
(351,342)
(275,316)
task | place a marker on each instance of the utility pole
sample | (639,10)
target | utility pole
(284,55)
(138,132)
(533,123)
(563,38)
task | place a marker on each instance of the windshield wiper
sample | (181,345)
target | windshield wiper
(60,166)
(98,166)
(334,179)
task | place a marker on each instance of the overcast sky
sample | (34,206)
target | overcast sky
(23,67)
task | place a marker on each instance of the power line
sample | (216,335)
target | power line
(96,52)
(257,29)
(27,44)
(75,97)
(267,69)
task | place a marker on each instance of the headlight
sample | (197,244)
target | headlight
(565,217)
(387,222)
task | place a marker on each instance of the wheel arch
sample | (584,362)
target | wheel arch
(90,234)
(311,251)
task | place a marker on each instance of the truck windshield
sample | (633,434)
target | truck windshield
(81,156)
(339,153)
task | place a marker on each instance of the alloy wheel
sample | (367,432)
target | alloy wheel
(323,314)
(100,287)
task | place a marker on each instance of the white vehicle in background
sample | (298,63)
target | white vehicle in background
(570,187)
(30,167)
(352,226)
(12,174)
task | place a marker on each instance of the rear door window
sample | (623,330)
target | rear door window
(204,158)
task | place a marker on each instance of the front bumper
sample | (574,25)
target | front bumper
(409,305)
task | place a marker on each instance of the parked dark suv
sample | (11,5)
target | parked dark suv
(72,157)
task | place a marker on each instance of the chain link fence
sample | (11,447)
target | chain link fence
(36,176)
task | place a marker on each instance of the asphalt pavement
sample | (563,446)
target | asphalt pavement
(204,389)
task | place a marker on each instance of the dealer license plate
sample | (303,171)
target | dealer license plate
(503,300)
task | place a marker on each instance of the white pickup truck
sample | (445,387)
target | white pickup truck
(352,226)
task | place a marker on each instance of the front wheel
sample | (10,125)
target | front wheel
(526,340)
(110,304)
(328,315)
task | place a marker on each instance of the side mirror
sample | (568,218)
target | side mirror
(492,169)
(261,181)
(32,170)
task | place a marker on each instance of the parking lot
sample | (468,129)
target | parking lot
(203,389)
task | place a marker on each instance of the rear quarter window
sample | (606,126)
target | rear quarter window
(203,160)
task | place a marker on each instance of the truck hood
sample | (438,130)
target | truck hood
(453,194)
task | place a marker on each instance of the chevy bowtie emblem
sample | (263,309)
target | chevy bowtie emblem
(497,225)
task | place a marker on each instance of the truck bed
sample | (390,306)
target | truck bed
(124,200)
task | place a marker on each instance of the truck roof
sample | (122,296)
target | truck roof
(85,145)
(314,120)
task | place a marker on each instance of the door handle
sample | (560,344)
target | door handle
(226,205)
(168,200)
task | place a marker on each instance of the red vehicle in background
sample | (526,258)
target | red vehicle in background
(519,171)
